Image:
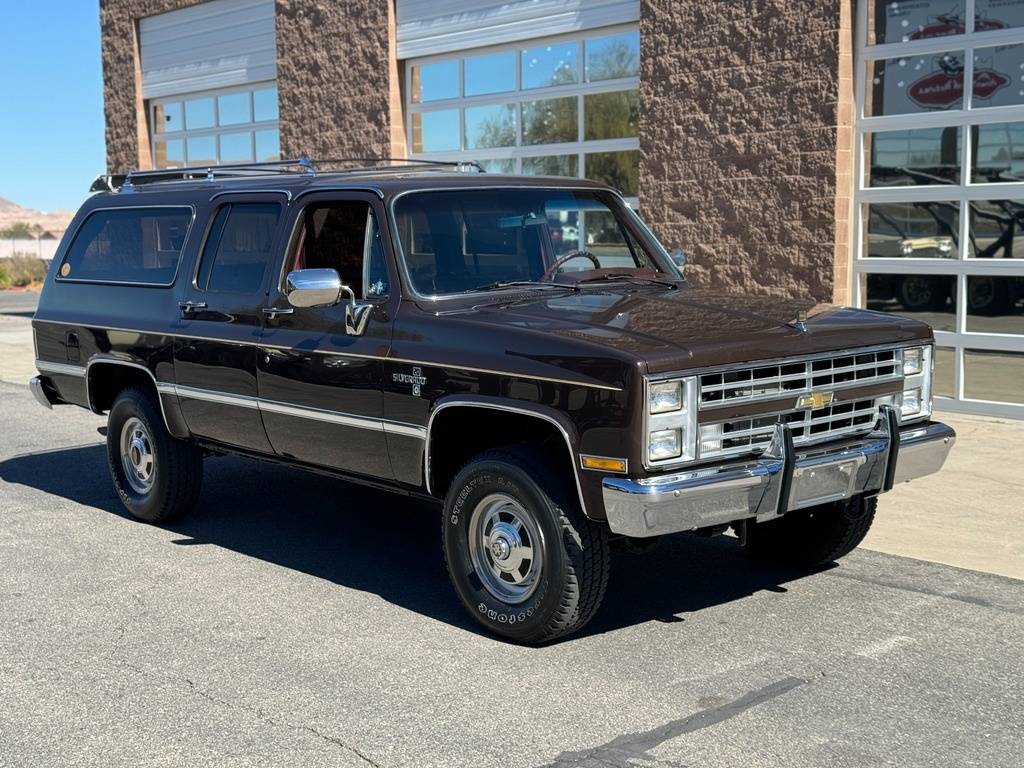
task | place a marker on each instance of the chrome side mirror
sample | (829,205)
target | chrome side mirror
(323,288)
(678,258)
(313,287)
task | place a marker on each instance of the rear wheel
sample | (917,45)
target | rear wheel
(815,536)
(523,558)
(156,476)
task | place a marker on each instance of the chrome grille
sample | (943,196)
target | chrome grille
(765,382)
(753,434)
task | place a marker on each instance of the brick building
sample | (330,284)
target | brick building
(820,148)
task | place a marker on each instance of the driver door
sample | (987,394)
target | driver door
(320,385)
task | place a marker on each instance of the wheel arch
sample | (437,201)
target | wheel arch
(554,420)
(106,375)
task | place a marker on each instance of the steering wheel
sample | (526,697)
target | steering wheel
(550,271)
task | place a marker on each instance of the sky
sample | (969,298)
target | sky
(51,84)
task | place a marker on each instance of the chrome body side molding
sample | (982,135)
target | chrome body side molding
(475,403)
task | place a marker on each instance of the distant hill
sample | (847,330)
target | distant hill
(56,221)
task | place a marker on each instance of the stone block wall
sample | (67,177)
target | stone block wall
(337,78)
(745,141)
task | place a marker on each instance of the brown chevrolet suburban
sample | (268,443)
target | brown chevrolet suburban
(520,351)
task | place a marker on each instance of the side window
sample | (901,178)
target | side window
(343,236)
(128,245)
(239,248)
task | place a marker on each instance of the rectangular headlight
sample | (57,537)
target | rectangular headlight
(910,403)
(670,421)
(665,397)
(664,444)
(913,360)
(915,402)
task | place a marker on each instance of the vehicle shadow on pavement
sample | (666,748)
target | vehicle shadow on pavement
(385,544)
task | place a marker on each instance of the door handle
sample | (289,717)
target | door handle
(273,312)
(188,307)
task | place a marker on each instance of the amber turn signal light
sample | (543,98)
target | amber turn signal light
(603,463)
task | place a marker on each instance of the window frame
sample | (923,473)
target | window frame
(962,195)
(630,220)
(580,148)
(325,197)
(212,218)
(78,231)
(215,131)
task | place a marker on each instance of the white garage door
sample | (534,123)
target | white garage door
(939,220)
(208,75)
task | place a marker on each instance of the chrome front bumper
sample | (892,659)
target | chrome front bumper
(780,480)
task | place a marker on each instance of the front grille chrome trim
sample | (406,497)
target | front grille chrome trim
(780,379)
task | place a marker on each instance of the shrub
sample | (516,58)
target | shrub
(25,270)
(5,277)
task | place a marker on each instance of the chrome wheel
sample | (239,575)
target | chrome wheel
(506,548)
(137,456)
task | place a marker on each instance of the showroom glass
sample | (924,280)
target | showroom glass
(535,108)
(493,125)
(995,304)
(620,170)
(944,374)
(929,298)
(997,229)
(234,108)
(457,241)
(914,157)
(550,121)
(613,115)
(236,125)
(914,84)
(493,73)
(549,65)
(894,21)
(950,249)
(613,56)
(998,153)
(994,376)
(435,81)
(551,165)
(435,131)
(921,230)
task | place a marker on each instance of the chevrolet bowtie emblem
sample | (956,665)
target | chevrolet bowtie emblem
(815,400)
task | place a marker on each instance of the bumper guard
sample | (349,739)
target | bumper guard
(779,481)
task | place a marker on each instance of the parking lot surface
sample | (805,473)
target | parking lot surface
(295,619)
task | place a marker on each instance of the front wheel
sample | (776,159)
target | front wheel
(815,536)
(156,476)
(523,558)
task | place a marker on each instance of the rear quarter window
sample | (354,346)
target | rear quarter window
(128,245)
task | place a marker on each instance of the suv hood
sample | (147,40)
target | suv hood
(672,330)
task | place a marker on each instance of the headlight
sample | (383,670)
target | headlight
(665,444)
(913,357)
(915,402)
(666,396)
(671,421)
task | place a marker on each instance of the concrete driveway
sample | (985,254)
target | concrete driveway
(298,620)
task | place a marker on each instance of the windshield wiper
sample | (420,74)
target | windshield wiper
(499,284)
(629,278)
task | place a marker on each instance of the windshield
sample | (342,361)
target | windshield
(464,240)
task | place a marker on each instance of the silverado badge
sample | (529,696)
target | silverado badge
(416,378)
(815,400)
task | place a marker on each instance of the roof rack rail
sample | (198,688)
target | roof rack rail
(307,167)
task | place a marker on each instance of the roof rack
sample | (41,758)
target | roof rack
(301,165)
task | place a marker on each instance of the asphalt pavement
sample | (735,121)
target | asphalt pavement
(18,303)
(298,620)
